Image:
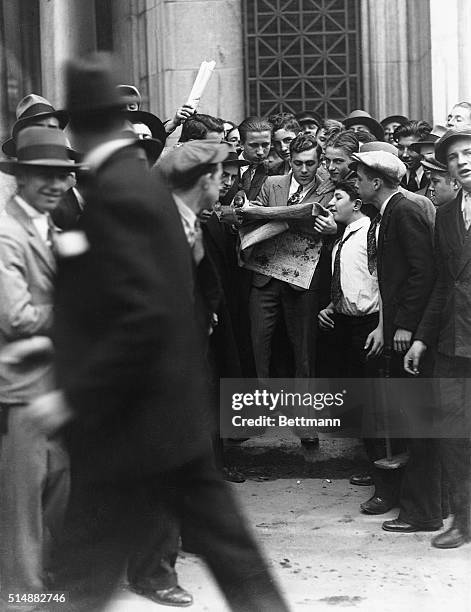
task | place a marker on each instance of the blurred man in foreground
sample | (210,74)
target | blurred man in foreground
(130,358)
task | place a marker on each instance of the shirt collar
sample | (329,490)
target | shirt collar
(305,187)
(186,213)
(30,210)
(355,225)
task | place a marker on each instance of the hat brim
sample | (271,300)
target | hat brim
(151,146)
(394,119)
(416,146)
(235,162)
(443,143)
(61,115)
(373,125)
(9,148)
(430,165)
(154,124)
(12,166)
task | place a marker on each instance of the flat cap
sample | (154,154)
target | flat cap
(185,158)
(379,145)
(383,162)
(442,144)
(431,163)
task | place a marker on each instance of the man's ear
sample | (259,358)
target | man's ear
(455,185)
(357,204)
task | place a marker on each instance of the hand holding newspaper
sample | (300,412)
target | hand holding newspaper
(202,79)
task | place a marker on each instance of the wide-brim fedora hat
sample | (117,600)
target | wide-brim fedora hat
(40,147)
(29,110)
(151,146)
(401,119)
(430,163)
(442,144)
(428,141)
(361,117)
(92,85)
(155,125)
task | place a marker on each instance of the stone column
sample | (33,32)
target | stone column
(451,53)
(67,30)
(396,58)
(183,33)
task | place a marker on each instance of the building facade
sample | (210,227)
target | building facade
(386,56)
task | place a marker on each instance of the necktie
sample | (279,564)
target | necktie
(51,236)
(412,182)
(296,196)
(467,209)
(336,286)
(247,177)
(371,244)
(197,247)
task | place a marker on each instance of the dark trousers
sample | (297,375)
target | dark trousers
(422,493)
(108,522)
(454,389)
(152,567)
(299,310)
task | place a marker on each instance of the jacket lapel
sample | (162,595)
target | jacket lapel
(281,189)
(37,244)
(462,249)
(383,226)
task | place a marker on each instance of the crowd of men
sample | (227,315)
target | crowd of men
(126,293)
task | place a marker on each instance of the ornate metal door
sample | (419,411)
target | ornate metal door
(302,55)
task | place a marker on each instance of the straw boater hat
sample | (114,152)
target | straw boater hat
(30,109)
(40,147)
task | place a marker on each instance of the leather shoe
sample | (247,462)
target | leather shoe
(452,538)
(232,475)
(376,505)
(174,596)
(361,480)
(398,526)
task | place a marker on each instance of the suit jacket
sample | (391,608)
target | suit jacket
(129,355)
(405,265)
(27,269)
(447,319)
(424,203)
(275,192)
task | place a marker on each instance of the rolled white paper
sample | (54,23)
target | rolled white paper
(202,79)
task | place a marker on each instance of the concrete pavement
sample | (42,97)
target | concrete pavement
(328,556)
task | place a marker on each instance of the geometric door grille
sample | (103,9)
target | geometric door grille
(302,55)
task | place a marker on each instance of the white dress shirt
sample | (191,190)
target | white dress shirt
(40,220)
(294,186)
(188,219)
(381,212)
(360,293)
(466,208)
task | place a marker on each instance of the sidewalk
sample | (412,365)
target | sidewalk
(328,556)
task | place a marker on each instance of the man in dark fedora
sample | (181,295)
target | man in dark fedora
(446,327)
(361,121)
(33,469)
(390,124)
(130,365)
